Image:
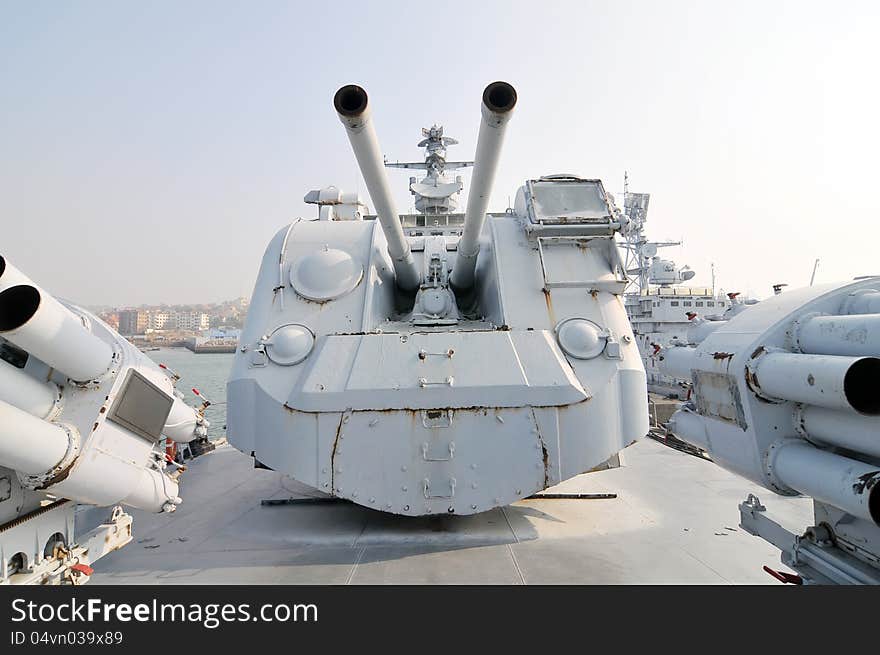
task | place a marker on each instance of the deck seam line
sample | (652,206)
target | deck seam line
(686,551)
(522,578)
(354,567)
(509,524)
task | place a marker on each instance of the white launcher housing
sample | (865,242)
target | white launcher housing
(787,394)
(441,364)
(82,411)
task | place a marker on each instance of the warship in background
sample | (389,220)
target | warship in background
(662,310)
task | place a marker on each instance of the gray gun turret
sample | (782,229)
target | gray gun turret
(440,362)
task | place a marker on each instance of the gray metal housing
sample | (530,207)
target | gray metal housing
(443,402)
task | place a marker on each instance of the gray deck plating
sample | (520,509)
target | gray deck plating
(675,520)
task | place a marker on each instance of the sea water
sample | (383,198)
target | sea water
(207,372)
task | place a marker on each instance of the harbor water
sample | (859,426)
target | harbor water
(206,372)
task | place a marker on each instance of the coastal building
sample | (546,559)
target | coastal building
(129,322)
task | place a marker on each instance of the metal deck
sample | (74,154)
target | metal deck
(675,520)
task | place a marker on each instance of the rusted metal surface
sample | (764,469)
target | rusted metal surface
(454,394)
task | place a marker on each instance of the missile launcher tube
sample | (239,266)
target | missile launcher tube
(853,335)
(855,432)
(181,423)
(842,482)
(10,276)
(26,392)
(29,444)
(835,382)
(36,322)
(691,427)
(863,302)
(678,361)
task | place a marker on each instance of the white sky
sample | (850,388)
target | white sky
(150,151)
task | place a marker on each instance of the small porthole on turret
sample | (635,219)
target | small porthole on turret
(581,338)
(289,344)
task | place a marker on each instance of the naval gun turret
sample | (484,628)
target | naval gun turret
(84,417)
(441,362)
(787,394)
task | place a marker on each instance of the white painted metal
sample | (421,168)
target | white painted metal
(691,427)
(10,276)
(864,301)
(155,491)
(823,380)
(416,406)
(354,111)
(26,392)
(700,329)
(29,444)
(846,483)
(45,328)
(499,99)
(103,442)
(183,422)
(326,275)
(28,539)
(798,423)
(818,561)
(677,361)
(663,311)
(853,335)
(845,429)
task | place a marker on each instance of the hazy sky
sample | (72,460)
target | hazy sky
(149,151)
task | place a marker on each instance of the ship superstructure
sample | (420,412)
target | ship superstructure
(661,308)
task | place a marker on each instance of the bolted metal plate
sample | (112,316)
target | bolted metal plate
(480,459)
